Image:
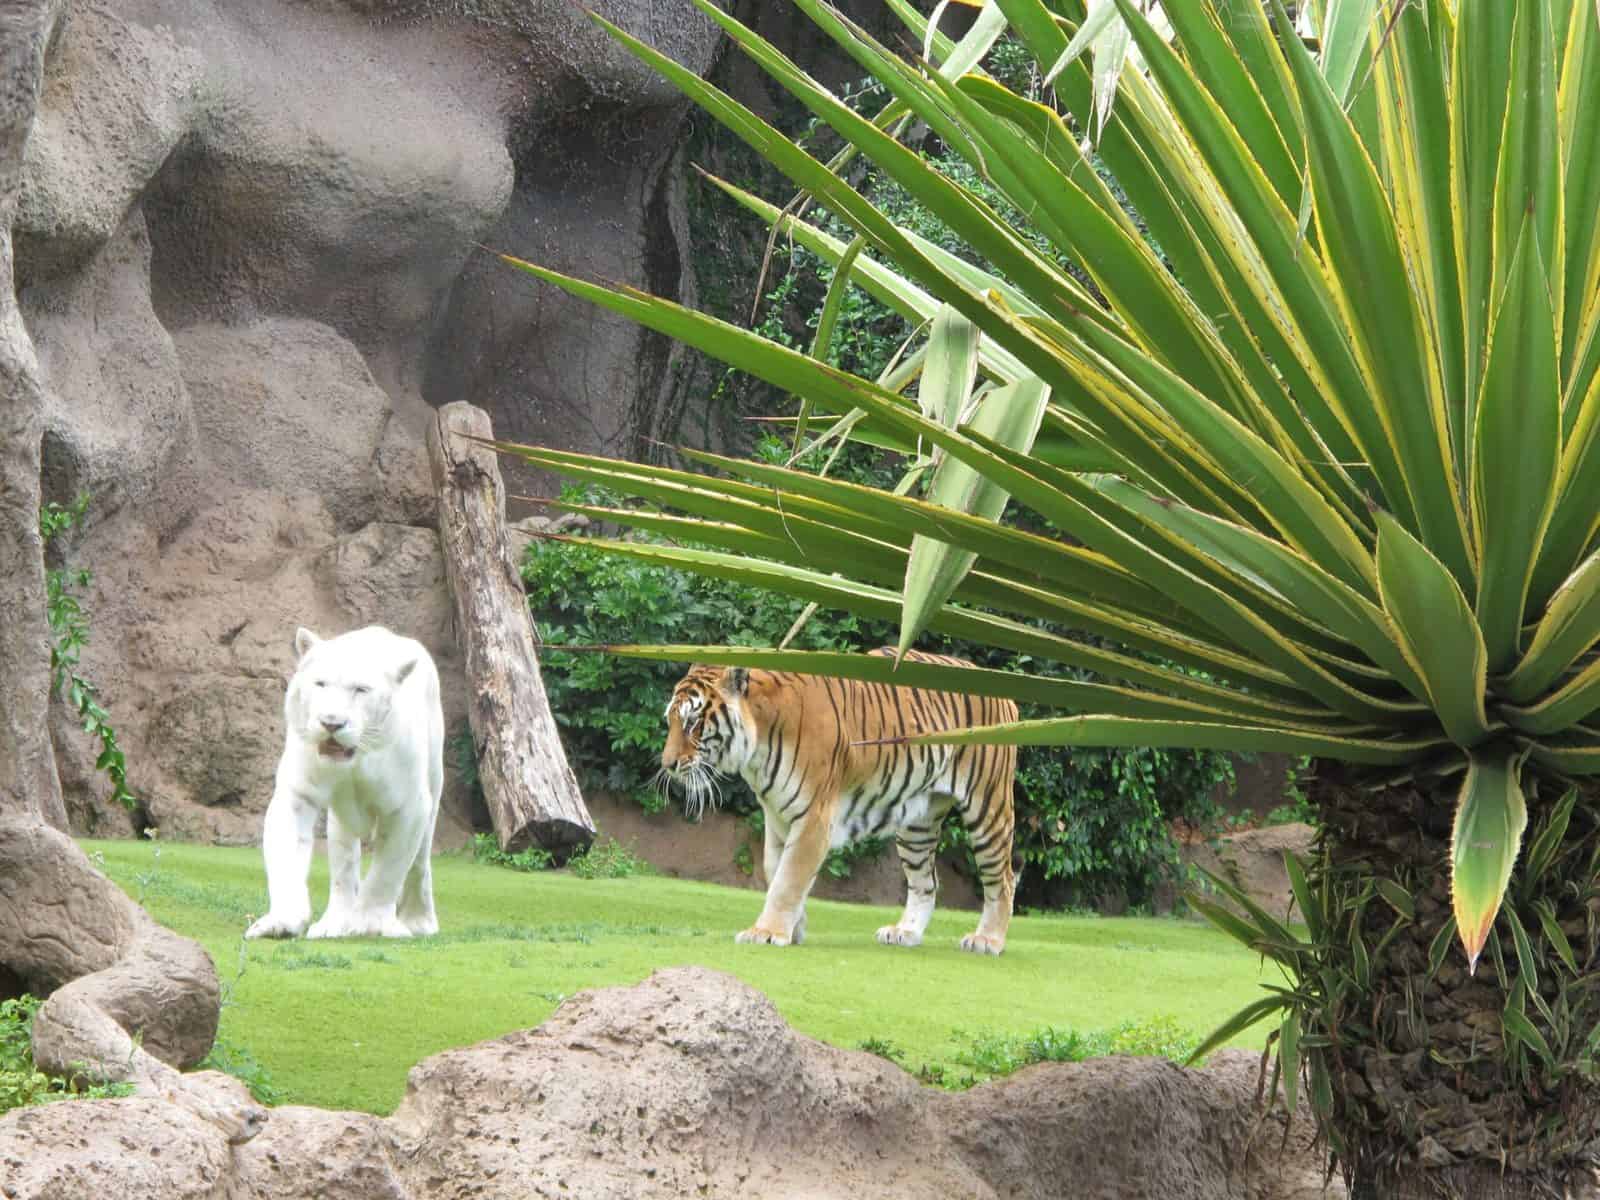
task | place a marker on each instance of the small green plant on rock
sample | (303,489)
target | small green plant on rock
(21,1082)
(69,632)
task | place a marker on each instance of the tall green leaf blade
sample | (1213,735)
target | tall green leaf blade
(890,288)
(1201,241)
(1578,100)
(984,231)
(1189,735)
(1065,694)
(1411,80)
(1300,581)
(950,368)
(1291,503)
(1344,43)
(1528,193)
(1298,300)
(1157,311)
(1579,755)
(1576,517)
(1378,301)
(826,589)
(1289,1057)
(1479,85)
(1516,450)
(1218,66)
(1436,629)
(1569,705)
(1491,814)
(831,304)
(1009,415)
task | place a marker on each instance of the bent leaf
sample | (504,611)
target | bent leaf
(1436,629)
(1491,814)
(1010,415)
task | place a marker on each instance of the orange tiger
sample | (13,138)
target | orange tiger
(795,740)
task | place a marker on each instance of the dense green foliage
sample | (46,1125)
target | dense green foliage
(1092,822)
(318,1021)
(21,1083)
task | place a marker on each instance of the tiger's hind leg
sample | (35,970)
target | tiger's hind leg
(989,819)
(918,847)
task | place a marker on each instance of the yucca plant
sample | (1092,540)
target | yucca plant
(1324,460)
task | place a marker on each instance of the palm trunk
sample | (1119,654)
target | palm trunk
(1431,1097)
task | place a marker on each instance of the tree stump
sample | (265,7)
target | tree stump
(530,789)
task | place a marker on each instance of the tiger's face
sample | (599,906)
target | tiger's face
(706,736)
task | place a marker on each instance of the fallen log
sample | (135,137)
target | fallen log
(530,789)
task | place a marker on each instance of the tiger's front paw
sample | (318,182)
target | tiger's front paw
(764,936)
(976,943)
(896,935)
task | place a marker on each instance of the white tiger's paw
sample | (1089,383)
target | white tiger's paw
(895,935)
(277,925)
(421,925)
(756,935)
(330,925)
(976,943)
(359,924)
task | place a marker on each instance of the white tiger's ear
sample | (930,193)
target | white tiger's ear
(734,681)
(304,640)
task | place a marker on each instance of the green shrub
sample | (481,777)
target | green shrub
(992,1054)
(607,858)
(486,849)
(989,1054)
(21,1082)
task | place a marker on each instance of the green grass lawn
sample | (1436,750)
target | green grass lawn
(338,1023)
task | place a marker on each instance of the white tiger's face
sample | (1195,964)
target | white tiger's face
(339,699)
(706,738)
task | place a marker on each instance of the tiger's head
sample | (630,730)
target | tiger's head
(707,737)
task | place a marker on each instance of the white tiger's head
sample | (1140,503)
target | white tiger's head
(342,691)
(707,736)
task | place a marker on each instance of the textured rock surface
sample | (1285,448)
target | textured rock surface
(691,1084)
(125,999)
(1253,860)
(248,242)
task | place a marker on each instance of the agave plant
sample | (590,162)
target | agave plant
(1322,449)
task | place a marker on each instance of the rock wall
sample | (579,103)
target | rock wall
(249,254)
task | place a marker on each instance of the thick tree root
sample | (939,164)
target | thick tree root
(128,1001)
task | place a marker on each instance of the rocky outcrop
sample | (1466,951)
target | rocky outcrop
(249,251)
(126,1000)
(1252,860)
(691,1083)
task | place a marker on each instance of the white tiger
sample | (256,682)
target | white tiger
(365,744)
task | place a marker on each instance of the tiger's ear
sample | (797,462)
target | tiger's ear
(734,681)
